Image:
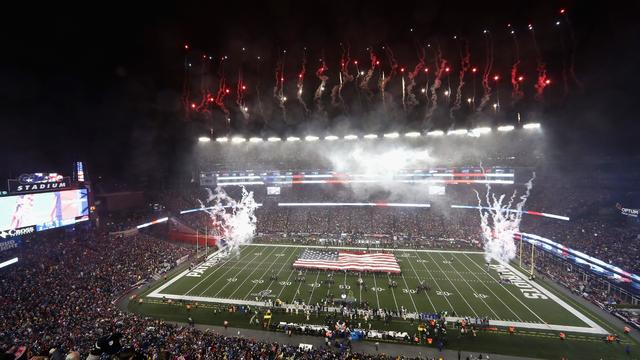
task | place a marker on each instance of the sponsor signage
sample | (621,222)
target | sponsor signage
(627,211)
(9,244)
(38,182)
(7,234)
(630,212)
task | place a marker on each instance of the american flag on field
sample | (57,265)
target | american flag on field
(349,261)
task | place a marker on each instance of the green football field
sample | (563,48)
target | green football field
(460,282)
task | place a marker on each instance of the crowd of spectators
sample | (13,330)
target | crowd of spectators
(62,294)
(582,283)
(61,297)
(62,291)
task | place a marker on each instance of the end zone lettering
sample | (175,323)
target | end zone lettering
(200,269)
(527,290)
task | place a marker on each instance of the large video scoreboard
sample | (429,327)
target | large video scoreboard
(27,213)
(40,201)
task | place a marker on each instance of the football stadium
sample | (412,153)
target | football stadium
(337,180)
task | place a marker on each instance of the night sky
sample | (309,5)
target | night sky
(103,84)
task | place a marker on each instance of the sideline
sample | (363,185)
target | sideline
(366,347)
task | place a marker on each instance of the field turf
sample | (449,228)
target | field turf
(460,282)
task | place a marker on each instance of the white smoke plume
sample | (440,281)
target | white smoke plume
(499,225)
(234,221)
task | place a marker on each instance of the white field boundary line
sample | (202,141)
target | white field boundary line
(284,263)
(434,281)
(508,291)
(522,325)
(182,274)
(454,286)
(595,327)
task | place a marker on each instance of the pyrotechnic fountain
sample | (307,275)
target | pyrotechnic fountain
(234,221)
(499,224)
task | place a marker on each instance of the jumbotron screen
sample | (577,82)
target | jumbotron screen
(42,211)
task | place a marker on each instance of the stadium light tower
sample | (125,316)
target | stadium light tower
(531,126)
(457,132)
(204,139)
(481,130)
(392,135)
(505,128)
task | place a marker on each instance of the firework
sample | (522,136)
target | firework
(441,64)
(488,66)
(465,63)
(300,83)
(317,98)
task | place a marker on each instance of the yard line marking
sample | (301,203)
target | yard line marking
(261,277)
(418,277)
(436,282)
(231,268)
(246,277)
(299,284)
(454,286)
(236,261)
(376,285)
(494,294)
(410,296)
(394,295)
(474,290)
(344,284)
(328,287)
(515,297)
(283,265)
(284,286)
(218,267)
(313,288)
